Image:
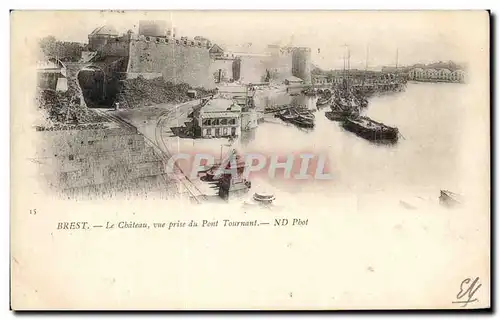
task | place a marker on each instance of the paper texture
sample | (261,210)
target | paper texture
(102,220)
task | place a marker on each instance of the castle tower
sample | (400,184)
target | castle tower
(100,37)
(301,63)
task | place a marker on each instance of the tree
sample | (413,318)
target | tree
(66,51)
(48,45)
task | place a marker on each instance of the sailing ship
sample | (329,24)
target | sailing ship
(370,129)
(346,103)
(450,199)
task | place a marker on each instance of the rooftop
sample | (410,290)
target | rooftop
(218,105)
(105,30)
(293,79)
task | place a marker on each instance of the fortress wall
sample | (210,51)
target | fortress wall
(253,68)
(153,75)
(111,160)
(280,66)
(70,142)
(178,62)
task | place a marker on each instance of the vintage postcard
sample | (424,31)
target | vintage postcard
(250,160)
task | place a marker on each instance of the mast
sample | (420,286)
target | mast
(397,58)
(348,67)
(366,64)
(343,69)
(397,61)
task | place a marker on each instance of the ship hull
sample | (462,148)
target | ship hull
(337,115)
(303,123)
(298,119)
(376,132)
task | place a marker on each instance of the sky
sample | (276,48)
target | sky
(373,37)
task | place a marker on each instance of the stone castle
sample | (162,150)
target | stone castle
(157,51)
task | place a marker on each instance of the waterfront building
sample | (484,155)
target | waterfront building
(458,76)
(431,74)
(444,74)
(416,74)
(436,75)
(217,118)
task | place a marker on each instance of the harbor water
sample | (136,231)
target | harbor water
(429,117)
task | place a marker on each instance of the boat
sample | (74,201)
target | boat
(324,100)
(298,116)
(341,110)
(310,92)
(304,118)
(449,199)
(303,122)
(287,115)
(371,129)
(264,198)
(305,113)
(346,100)
(336,115)
(362,101)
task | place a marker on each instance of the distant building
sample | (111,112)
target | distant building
(458,76)
(416,74)
(293,81)
(217,118)
(436,75)
(444,74)
(216,52)
(431,74)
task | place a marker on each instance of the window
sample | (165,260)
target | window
(206,122)
(217,132)
(71,157)
(223,122)
(232,121)
(130,142)
(148,38)
(215,122)
(209,132)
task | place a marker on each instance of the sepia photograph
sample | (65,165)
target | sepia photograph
(250,160)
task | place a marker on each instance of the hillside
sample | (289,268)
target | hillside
(141,92)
